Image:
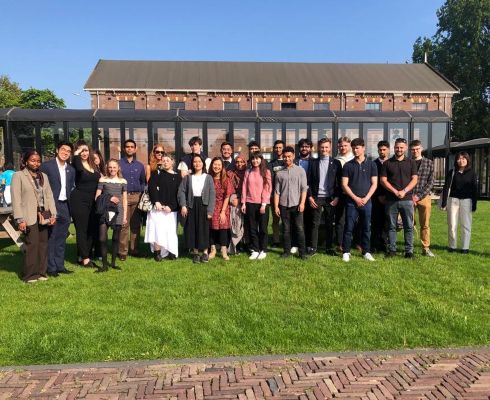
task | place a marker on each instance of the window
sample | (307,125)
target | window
(288,106)
(321,106)
(439,134)
(264,106)
(421,132)
(373,106)
(419,106)
(231,105)
(373,133)
(126,105)
(176,105)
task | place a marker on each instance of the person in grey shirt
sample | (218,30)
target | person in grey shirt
(290,189)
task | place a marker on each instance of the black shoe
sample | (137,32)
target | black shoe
(204,258)
(408,255)
(170,256)
(122,258)
(331,252)
(65,271)
(311,251)
(276,244)
(53,274)
(104,268)
(390,254)
(114,266)
(303,256)
(465,251)
(196,259)
(286,254)
(451,250)
(157,256)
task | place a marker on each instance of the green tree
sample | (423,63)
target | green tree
(460,50)
(40,98)
(10,92)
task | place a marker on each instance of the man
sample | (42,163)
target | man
(399,177)
(379,233)
(359,181)
(290,189)
(324,191)
(276,165)
(227,156)
(134,172)
(61,176)
(421,194)
(344,155)
(195,144)
(253,147)
(304,161)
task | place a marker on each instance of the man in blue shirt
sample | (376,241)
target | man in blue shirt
(134,173)
(359,182)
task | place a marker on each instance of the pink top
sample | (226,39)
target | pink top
(253,188)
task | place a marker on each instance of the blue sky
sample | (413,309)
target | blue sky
(56,44)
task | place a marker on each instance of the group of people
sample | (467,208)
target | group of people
(224,203)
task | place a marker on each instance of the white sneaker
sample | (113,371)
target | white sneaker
(254,255)
(346,257)
(293,250)
(428,253)
(262,255)
(369,257)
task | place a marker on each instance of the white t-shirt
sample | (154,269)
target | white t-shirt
(198,184)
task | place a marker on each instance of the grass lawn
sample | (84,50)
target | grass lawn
(173,309)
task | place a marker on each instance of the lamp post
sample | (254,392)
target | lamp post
(82,96)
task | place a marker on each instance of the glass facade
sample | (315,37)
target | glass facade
(348,129)
(110,139)
(318,131)
(138,131)
(421,132)
(164,134)
(269,133)
(439,134)
(217,134)
(295,132)
(395,131)
(80,130)
(189,130)
(2,145)
(372,133)
(243,134)
(23,139)
(51,134)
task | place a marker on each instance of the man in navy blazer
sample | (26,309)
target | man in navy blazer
(324,190)
(61,177)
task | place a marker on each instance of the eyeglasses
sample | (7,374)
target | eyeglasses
(158,152)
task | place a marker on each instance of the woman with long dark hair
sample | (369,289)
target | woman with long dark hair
(82,201)
(238,234)
(459,198)
(220,222)
(256,194)
(99,162)
(161,221)
(197,200)
(34,211)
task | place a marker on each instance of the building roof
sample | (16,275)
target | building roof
(221,76)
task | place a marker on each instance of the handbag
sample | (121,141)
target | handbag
(43,216)
(145,204)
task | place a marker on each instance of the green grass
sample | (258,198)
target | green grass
(177,309)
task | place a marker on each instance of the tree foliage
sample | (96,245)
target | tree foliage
(11,95)
(460,50)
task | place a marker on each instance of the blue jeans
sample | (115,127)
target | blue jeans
(352,212)
(405,208)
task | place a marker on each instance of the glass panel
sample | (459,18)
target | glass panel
(110,139)
(288,106)
(349,129)
(419,106)
(421,132)
(321,106)
(217,133)
(395,131)
(164,133)
(2,146)
(176,105)
(439,133)
(373,107)
(23,139)
(189,130)
(138,131)
(80,130)
(294,132)
(269,133)
(228,105)
(126,105)
(372,133)
(51,134)
(243,133)
(318,131)
(264,106)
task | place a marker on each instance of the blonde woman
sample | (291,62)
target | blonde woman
(112,202)
(161,222)
(82,201)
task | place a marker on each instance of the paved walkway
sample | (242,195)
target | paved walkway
(436,374)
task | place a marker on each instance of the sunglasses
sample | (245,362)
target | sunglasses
(158,152)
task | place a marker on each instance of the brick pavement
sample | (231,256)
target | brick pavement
(417,374)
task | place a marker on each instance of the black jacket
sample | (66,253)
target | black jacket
(334,177)
(463,186)
(103,206)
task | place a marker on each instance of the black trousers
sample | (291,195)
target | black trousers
(86,225)
(220,237)
(329,211)
(57,238)
(257,226)
(292,221)
(36,252)
(340,219)
(379,226)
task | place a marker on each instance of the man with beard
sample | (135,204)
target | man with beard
(379,232)
(276,165)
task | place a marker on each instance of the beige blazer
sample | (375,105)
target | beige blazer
(24,202)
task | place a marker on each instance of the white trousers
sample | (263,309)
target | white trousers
(459,210)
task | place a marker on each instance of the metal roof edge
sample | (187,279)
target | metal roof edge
(442,77)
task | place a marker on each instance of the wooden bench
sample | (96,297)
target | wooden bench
(8,229)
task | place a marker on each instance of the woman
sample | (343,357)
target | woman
(256,194)
(161,221)
(220,222)
(459,197)
(237,218)
(156,157)
(34,211)
(112,202)
(197,200)
(99,162)
(82,201)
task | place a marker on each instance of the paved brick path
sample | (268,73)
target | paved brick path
(441,374)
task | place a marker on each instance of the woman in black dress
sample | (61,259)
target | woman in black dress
(82,201)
